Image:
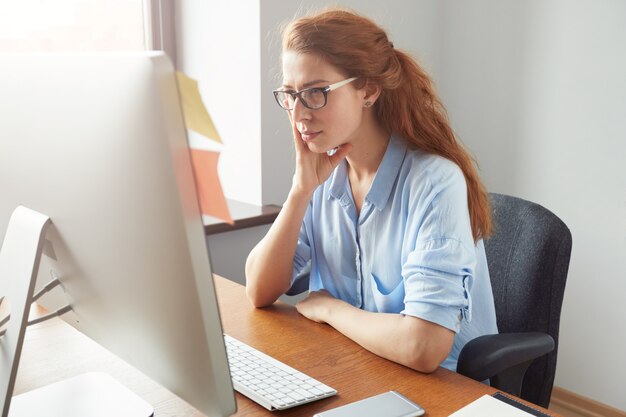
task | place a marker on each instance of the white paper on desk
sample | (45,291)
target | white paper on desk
(489,406)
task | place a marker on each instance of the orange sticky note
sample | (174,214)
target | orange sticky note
(208,186)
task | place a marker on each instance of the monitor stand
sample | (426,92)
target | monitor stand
(84,395)
(94,394)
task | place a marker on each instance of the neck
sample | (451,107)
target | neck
(369,149)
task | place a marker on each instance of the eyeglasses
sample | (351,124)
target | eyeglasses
(312,98)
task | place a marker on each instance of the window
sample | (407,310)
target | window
(71,25)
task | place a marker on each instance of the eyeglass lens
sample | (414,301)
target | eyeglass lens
(313,98)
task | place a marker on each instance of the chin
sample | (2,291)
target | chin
(313,147)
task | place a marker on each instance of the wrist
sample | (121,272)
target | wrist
(298,193)
(331,307)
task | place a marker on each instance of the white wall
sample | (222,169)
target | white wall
(537,90)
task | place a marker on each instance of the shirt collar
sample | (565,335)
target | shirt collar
(385,176)
(338,183)
(387,172)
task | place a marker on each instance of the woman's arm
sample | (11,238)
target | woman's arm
(269,266)
(410,341)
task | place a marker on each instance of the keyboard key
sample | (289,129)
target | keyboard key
(305,394)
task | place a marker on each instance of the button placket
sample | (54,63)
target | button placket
(359,273)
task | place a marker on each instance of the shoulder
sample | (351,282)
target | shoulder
(438,195)
(431,174)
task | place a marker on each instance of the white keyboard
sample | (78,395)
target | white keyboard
(269,382)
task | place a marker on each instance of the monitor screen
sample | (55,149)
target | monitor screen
(97,143)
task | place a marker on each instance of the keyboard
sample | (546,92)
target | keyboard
(268,382)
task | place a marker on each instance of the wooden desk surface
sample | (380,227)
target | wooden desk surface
(54,351)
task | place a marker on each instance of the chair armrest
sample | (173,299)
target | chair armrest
(487,356)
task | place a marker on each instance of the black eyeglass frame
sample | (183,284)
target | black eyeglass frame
(323,90)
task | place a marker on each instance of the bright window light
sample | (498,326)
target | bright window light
(71,25)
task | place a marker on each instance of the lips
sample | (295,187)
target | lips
(309,135)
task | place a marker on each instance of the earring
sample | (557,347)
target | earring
(368,103)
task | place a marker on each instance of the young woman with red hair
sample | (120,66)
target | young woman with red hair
(386,206)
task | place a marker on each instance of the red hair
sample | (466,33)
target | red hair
(408,104)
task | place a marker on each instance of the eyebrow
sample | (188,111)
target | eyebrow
(309,84)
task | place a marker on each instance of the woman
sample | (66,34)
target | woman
(385,205)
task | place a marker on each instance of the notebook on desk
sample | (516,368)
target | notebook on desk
(497,405)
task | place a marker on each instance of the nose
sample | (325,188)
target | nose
(300,112)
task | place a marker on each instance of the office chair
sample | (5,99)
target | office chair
(528,258)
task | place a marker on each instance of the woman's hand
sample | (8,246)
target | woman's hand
(312,169)
(317,306)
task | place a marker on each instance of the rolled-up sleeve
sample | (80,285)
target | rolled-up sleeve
(303,253)
(437,279)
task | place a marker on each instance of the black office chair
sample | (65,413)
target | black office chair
(528,258)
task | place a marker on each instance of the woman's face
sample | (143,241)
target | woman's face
(336,123)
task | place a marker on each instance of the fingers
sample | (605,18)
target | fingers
(316,306)
(297,137)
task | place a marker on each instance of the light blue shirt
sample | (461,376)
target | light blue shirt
(410,250)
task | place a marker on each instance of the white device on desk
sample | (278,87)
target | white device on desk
(388,404)
(94,152)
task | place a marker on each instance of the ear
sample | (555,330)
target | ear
(371,93)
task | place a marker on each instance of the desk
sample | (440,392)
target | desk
(54,350)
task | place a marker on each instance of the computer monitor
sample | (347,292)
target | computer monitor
(97,143)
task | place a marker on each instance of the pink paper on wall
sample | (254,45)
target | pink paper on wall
(208,187)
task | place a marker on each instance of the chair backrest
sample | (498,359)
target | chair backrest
(528,257)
